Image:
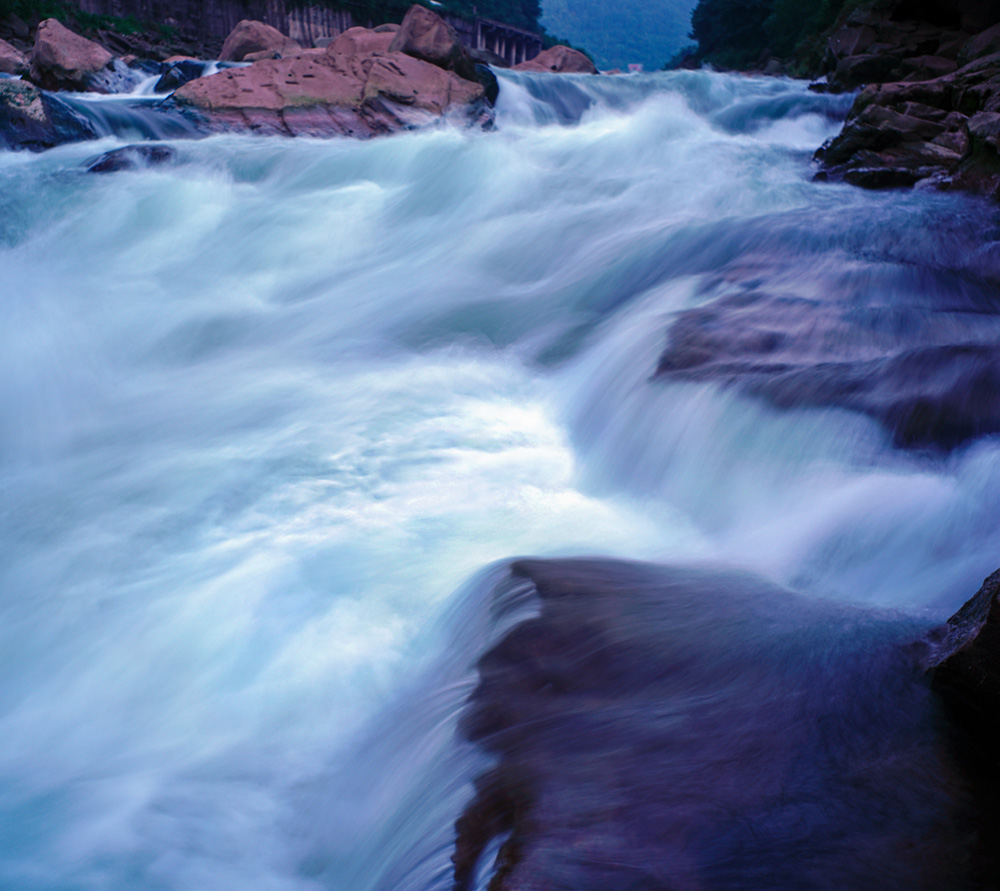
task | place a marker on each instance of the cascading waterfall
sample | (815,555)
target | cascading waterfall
(268,407)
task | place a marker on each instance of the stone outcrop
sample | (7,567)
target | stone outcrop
(12,60)
(426,36)
(331,94)
(559,60)
(943,130)
(30,119)
(249,37)
(63,60)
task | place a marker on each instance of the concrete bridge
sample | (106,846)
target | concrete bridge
(513,45)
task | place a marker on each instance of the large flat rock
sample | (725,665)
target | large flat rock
(697,728)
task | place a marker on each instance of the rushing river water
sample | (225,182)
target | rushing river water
(268,408)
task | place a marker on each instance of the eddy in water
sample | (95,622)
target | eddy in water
(269,404)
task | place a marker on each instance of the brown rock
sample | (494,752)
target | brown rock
(170,60)
(388,28)
(361,40)
(426,36)
(12,60)
(561,60)
(331,94)
(253,37)
(63,60)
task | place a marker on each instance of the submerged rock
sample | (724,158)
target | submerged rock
(332,94)
(30,119)
(131,157)
(661,728)
(251,36)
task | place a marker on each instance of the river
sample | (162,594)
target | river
(273,411)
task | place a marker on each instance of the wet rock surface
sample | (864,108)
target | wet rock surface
(930,376)
(31,119)
(131,157)
(662,728)
(965,665)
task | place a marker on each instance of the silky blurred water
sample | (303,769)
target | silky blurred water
(267,408)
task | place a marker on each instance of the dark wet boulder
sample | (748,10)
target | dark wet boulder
(931,378)
(251,36)
(488,80)
(131,157)
(671,727)
(31,119)
(965,661)
(428,37)
(179,73)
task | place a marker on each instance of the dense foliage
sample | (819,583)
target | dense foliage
(646,31)
(734,33)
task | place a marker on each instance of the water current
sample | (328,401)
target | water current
(273,409)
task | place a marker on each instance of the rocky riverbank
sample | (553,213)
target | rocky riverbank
(928,72)
(365,82)
(929,103)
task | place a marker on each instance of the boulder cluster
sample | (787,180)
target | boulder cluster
(363,82)
(929,110)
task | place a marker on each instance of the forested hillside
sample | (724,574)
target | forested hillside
(734,33)
(646,31)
